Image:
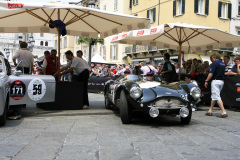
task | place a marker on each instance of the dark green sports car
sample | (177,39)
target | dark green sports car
(151,97)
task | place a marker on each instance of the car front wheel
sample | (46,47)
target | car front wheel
(187,119)
(107,101)
(125,111)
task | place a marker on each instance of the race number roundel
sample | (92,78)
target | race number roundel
(18,90)
(36,89)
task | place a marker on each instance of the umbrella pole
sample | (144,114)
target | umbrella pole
(58,69)
(180,59)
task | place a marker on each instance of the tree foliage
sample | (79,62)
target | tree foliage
(90,40)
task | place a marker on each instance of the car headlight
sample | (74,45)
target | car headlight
(135,92)
(195,83)
(195,92)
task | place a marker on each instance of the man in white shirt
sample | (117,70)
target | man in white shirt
(80,73)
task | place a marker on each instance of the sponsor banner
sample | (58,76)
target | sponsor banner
(231,91)
(96,84)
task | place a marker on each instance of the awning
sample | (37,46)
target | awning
(137,60)
(205,58)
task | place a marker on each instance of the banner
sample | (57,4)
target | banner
(96,83)
(230,93)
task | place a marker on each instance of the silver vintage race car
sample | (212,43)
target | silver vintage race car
(16,88)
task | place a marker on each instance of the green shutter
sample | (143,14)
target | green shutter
(195,6)
(206,7)
(174,8)
(130,4)
(219,8)
(133,2)
(154,14)
(183,6)
(147,13)
(229,11)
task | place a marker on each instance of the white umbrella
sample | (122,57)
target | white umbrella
(98,59)
(182,37)
(19,17)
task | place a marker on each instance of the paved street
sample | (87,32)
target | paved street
(98,133)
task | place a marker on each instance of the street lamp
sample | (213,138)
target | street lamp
(91,4)
(31,43)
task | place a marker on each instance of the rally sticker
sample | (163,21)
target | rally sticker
(36,89)
(18,90)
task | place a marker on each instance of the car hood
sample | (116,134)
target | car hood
(153,90)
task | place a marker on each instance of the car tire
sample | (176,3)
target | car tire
(125,111)
(187,119)
(3,117)
(107,101)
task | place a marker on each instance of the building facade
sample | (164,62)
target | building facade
(214,13)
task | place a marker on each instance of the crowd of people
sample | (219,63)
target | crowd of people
(78,70)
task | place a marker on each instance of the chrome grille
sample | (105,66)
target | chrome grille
(168,103)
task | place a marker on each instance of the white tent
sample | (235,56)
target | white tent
(98,59)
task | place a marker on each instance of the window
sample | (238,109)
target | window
(201,6)
(103,52)
(46,43)
(60,43)
(56,44)
(152,15)
(105,7)
(115,4)
(178,7)
(114,52)
(41,34)
(130,4)
(135,2)
(41,43)
(65,42)
(76,39)
(238,32)
(224,10)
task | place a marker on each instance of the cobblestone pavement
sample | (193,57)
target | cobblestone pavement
(98,133)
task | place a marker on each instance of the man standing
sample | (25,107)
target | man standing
(50,64)
(27,62)
(216,73)
(196,68)
(228,65)
(26,57)
(167,71)
(80,73)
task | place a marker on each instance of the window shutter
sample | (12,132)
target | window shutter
(183,6)
(154,14)
(136,1)
(147,13)
(229,11)
(130,4)
(206,7)
(111,52)
(174,8)
(133,2)
(219,8)
(195,6)
(116,51)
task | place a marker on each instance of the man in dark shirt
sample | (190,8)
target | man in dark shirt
(216,73)
(167,70)
(235,70)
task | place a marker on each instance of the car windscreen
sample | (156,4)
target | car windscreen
(133,78)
